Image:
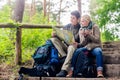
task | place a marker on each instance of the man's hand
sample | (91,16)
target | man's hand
(53,34)
(75,44)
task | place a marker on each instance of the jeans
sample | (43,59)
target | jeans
(97,52)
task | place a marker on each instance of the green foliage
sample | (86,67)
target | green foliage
(31,38)
(105,14)
(35,38)
(39,18)
(109,36)
(5,14)
(7,48)
(109,12)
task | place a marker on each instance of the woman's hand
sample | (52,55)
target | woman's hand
(82,32)
(87,32)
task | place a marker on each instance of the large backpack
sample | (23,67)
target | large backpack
(42,54)
(46,62)
(39,71)
(84,67)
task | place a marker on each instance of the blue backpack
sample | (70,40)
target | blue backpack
(46,54)
(54,59)
(41,55)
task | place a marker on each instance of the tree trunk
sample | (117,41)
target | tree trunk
(33,9)
(44,8)
(48,11)
(59,11)
(9,2)
(79,6)
(18,16)
(18,11)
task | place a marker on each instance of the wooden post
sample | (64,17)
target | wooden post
(18,57)
(18,16)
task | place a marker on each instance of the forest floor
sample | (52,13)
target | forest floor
(10,71)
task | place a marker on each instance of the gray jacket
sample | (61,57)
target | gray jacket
(74,30)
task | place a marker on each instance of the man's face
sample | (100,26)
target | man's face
(73,20)
(84,22)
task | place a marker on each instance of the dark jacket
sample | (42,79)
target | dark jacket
(74,30)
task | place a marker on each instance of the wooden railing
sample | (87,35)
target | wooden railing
(19,28)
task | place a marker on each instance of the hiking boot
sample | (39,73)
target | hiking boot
(70,73)
(100,74)
(62,73)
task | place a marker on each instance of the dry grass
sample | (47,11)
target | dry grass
(10,71)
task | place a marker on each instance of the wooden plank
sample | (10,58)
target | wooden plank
(29,78)
(63,78)
(111,58)
(6,25)
(112,70)
(18,57)
(111,42)
(43,26)
(32,26)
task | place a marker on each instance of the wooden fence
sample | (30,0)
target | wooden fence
(19,28)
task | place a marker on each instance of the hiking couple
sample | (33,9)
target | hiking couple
(87,38)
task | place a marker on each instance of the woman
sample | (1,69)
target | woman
(89,34)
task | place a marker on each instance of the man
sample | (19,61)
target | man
(68,50)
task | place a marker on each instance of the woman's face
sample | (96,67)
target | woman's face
(74,20)
(84,22)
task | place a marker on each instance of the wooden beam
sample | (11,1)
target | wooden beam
(7,25)
(18,57)
(37,26)
(64,78)
(10,25)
